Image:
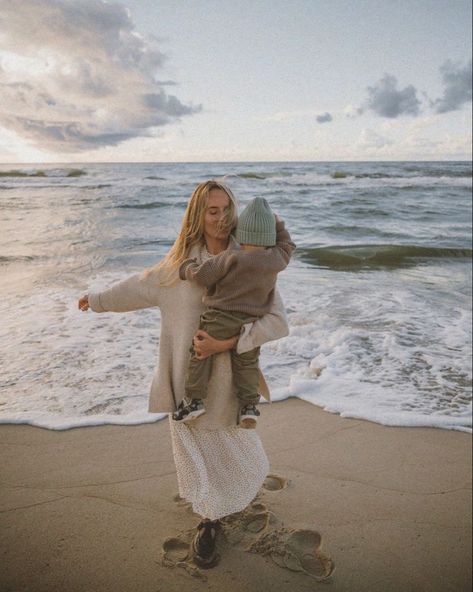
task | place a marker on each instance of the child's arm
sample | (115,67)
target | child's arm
(284,244)
(209,272)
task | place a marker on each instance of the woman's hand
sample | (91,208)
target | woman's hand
(84,303)
(205,345)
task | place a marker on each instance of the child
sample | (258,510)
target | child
(240,288)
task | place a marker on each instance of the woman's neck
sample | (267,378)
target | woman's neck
(215,246)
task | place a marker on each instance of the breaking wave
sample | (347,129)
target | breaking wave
(354,257)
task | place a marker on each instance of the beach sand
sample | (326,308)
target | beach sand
(90,509)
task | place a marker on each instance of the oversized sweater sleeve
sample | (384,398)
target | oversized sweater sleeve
(209,272)
(284,244)
(273,325)
(134,293)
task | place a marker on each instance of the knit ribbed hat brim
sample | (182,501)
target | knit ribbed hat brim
(257,224)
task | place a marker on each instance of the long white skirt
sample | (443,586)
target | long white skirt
(219,471)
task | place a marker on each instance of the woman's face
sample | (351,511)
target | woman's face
(218,207)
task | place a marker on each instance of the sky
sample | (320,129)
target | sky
(235,80)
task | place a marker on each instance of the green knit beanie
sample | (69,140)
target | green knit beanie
(256,224)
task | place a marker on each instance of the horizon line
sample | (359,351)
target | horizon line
(230,161)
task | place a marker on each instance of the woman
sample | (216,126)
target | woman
(220,467)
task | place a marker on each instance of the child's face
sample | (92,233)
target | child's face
(216,212)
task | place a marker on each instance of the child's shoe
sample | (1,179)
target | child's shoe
(248,417)
(189,410)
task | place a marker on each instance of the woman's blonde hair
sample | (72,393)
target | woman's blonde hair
(192,230)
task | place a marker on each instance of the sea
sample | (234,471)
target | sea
(378,293)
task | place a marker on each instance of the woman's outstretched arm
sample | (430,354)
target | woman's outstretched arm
(134,293)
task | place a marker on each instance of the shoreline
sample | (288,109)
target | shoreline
(89,507)
(108,421)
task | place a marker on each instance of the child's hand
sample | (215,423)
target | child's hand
(84,303)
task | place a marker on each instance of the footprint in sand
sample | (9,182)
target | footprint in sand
(257,522)
(296,550)
(256,529)
(175,550)
(275,483)
(240,528)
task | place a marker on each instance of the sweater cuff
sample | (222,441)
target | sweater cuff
(184,265)
(95,304)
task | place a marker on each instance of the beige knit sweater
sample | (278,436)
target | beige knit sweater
(239,280)
(181,306)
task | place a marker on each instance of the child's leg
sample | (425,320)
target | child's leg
(220,325)
(223,324)
(195,389)
(197,378)
(245,376)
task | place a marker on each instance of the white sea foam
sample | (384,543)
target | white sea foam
(65,368)
(379,352)
(386,355)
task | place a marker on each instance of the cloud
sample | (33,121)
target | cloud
(457,82)
(387,101)
(371,140)
(352,112)
(76,75)
(324,118)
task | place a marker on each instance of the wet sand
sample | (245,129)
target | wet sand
(95,509)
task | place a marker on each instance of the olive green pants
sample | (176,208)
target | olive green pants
(223,324)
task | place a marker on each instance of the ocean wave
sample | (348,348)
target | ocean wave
(43,173)
(58,186)
(354,257)
(22,173)
(440,172)
(7,259)
(151,242)
(378,181)
(263,175)
(145,206)
(437,173)
(73,172)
